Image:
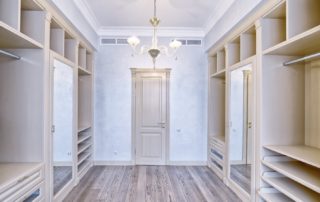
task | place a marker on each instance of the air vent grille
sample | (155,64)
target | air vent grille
(123,41)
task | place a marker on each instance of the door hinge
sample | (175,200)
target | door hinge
(53,128)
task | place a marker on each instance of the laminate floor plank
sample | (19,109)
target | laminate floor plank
(151,184)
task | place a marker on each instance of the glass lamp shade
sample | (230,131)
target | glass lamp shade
(175,44)
(133,41)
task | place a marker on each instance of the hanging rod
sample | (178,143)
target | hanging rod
(10,55)
(302,59)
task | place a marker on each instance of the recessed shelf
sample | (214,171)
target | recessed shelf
(83,71)
(306,175)
(308,155)
(220,74)
(302,44)
(83,157)
(292,189)
(248,44)
(83,128)
(234,52)
(83,138)
(12,39)
(83,146)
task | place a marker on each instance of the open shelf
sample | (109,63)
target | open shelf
(11,173)
(302,16)
(82,57)
(234,52)
(84,146)
(274,196)
(83,156)
(83,71)
(212,64)
(248,44)
(9,13)
(12,39)
(220,74)
(70,47)
(292,189)
(306,154)
(83,137)
(306,175)
(221,60)
(302,44)
(220,138)
(57,37)
(274,27)
(83,167)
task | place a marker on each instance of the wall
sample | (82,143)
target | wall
(188,98)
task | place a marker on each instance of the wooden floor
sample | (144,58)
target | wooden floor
(241,174)
(151,184)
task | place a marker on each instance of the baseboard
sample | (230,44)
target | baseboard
(62,163)
(113,163)
(187,163)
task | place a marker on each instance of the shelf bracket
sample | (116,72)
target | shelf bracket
(10,55)
(309,57)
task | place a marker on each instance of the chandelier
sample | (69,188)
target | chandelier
(154,50)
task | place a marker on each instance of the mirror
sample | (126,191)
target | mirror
(240,153)
(63,125)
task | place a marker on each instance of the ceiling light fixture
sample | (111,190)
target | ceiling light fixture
(154,50)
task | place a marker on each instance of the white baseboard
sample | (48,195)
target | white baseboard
(113,163)
(187,163)
(130,163)
(62,163)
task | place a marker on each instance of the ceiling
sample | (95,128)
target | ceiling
(111,17)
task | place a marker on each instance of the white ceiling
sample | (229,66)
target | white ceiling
(117,17)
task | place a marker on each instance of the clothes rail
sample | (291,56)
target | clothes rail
(10,55)
(302,59)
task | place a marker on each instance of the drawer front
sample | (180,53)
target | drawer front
(34,195)
(22,186)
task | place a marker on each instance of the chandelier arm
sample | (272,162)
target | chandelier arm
(167,51)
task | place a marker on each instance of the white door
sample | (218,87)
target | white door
(150,118)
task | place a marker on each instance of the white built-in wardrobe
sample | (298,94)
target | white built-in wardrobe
(35,40)
(264,140)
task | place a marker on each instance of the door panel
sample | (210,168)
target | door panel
(150,118)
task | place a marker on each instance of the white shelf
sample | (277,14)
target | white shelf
(292,189)
(83,71)
(275,197)
(308,155)
(302,44)
(11,38)
(83,138)
(83,157)
(83,147)
(83,128)
(220,138)
(306,175)
(220,74)
(83,166)
(10,173)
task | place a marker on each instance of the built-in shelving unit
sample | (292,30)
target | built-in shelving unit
(85,130)
(290,138)
(22,61)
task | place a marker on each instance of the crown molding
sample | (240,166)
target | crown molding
(215,17)
(147,31)
(88,14)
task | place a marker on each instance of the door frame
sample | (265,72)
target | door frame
(134,72)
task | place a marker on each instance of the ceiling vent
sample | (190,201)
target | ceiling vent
(123,41)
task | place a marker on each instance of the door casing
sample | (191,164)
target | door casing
(134,72)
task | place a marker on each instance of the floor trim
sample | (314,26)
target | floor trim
(113,163)
(130,163)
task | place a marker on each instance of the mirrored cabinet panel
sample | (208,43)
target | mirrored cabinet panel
(240,134)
